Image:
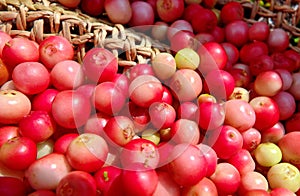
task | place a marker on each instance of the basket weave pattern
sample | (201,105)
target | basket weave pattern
(38,19)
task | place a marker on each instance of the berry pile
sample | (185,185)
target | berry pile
(217,115)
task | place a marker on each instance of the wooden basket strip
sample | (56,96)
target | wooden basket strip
(40,19)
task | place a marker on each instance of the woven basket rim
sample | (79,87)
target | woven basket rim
(40,19)
(29,17)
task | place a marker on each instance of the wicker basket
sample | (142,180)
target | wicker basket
(38,19)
